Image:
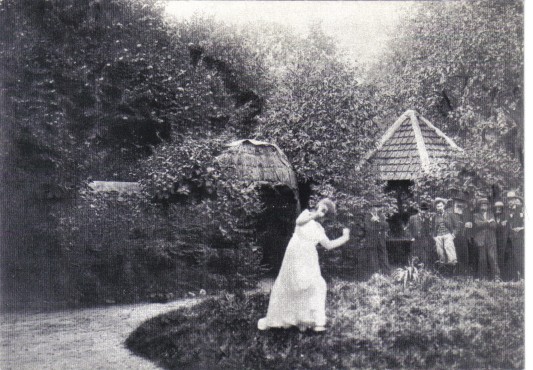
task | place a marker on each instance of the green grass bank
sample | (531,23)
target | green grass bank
(439,324)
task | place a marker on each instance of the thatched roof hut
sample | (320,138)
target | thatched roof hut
(264,164)
(257,161)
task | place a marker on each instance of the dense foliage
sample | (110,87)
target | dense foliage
(288,65)
(376,324)
(302,84)
(113,90)
(461,65)
(483,170)
(124,248)
(89,88)
(323,120)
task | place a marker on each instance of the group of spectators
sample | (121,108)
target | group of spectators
(460,236)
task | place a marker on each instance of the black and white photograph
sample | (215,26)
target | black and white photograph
(262,184)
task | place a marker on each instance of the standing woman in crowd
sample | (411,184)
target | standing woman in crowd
(298,297)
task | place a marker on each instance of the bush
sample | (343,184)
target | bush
(125,248)
(90,88)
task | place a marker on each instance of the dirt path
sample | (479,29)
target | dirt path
(76,339)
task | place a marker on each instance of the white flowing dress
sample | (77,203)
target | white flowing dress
(298,297)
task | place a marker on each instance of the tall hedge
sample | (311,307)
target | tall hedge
(89,88)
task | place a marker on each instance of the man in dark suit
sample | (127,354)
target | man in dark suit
(502,237)
(473,252)
(516,235)
(376,227)
(462,216)
(419,229)
(485,239)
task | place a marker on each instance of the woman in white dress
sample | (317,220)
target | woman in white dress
(298,297)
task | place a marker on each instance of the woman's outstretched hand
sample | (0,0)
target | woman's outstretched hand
(330,244)
(346,233)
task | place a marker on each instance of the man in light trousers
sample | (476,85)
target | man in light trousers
(444,229)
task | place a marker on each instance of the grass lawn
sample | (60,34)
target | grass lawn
(439,324)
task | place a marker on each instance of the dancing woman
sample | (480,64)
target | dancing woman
(298,297)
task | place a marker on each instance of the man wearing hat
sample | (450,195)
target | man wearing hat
(502,236)
(419,228)
(463,222)
(376,227)
(515,222)
(485,239)
(444,229)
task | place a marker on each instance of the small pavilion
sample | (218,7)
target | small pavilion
(409,148)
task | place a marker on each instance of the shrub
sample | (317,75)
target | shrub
(409,274)
(125,248)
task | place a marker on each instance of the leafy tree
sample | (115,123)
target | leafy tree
(461,65)
(324,121)
(482,170)
(303,85)
(89,89)
(95,82)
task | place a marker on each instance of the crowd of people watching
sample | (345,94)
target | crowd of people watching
(460,235)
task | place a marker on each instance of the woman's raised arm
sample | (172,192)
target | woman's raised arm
(331,244)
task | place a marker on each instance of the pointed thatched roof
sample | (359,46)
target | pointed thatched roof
(412,145)
(258,161)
